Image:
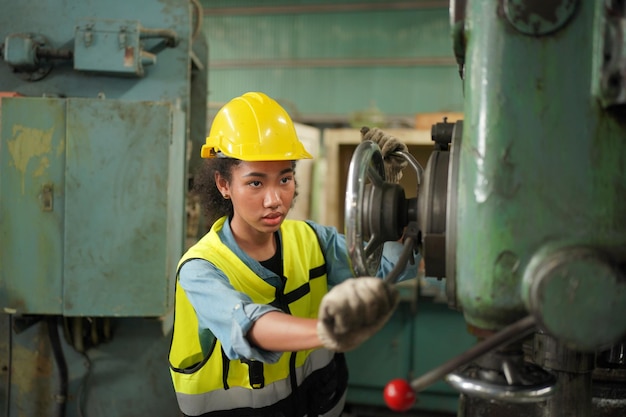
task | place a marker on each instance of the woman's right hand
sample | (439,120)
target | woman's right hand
(355,310)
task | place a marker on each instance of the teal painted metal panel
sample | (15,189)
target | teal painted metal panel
(32,155)
(439,334)
(383,357)
(386,355)
(110,240)
(123,192)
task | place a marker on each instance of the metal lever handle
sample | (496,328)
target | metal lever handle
(513,332)
(400,395)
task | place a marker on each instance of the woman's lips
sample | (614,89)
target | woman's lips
(273,219)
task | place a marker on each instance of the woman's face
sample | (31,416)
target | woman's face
(261,192)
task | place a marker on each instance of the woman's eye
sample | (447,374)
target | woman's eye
(286,180)
(255,183)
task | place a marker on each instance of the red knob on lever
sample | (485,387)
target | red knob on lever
(398,394)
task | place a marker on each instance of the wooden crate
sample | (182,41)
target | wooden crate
(424,121)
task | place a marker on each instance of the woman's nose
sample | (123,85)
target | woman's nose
(272,198)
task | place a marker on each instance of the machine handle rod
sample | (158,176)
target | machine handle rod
(515,331)
(404,258)
(419,170)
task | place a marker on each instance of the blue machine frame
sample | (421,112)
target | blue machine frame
(100,103)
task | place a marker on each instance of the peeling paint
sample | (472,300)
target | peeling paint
(27,144)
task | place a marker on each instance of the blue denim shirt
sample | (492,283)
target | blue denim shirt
(229,314)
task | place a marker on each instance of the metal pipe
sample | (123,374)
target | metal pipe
(169,35)
(405,257)
(327,8)
(59,358)
(431,61)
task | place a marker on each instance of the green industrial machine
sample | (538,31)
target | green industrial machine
(100,102)
(521,209)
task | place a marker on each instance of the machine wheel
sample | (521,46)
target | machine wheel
(366,164)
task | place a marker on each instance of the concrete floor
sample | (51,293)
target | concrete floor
(374,411)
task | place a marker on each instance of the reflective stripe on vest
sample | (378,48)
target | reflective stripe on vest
(239,397)
(199,381)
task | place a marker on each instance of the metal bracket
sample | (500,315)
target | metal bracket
(610,60)
(47,197)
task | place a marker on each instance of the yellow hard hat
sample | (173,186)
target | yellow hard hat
(254,127)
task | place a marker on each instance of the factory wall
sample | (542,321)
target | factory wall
(329,62)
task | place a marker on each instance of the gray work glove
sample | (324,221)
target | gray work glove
(388,145)
(353,311)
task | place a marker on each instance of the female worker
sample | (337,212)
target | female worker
(247,337)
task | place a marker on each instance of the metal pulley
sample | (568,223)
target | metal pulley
(377,211)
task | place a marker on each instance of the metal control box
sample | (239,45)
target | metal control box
(110,46)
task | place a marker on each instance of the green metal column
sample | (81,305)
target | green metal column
(542,172)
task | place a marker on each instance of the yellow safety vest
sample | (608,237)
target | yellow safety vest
(309,382)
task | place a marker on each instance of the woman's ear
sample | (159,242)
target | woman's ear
(222,185)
